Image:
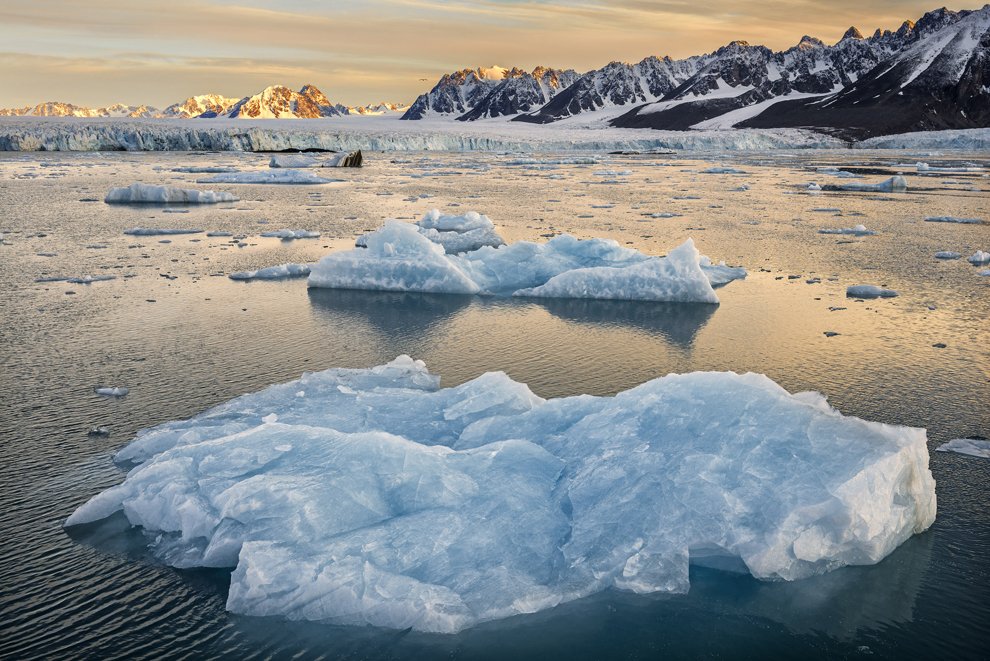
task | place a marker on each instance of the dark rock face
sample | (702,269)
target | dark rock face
(455,94)
(521,92)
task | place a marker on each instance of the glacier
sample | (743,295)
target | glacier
(402,257)
(373,496)
(138,193)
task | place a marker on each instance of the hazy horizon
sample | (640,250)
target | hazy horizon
(109,51)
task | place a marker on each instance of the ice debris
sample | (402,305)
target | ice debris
(379,499)
(399,257)
(288,235)
(974,447)
(947,254)
(139,193)
(869,291)
(954,219)
(273,272)
(111,391)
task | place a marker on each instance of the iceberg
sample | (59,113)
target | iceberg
(279,272)
(896,184)
(268,177)
(974,447)
(372,496)
(869,291)
(341,160)
(139,193)
(402,257)
(456,234)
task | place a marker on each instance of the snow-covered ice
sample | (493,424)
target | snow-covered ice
(288,235)
(457,234)
(869,291)
(371,496)
(138,193)
(400,257)
(273,272)
(974,447)
(271,176)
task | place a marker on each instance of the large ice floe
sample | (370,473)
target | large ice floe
(895,184)
(276,176)
(139,193)
(372,496)
(403,257)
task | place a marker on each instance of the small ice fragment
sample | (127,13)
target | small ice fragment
(111,392)
(953,219)
(979,257)
(869,291)
(974,447)
(98,431)
(270,418)
(947,254)
(288,235)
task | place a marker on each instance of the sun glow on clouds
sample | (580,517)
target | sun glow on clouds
(104,51)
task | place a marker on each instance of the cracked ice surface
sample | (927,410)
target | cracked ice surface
(372,496)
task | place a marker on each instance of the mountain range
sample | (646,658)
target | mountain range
(275,102)
(929,74)
(926,75)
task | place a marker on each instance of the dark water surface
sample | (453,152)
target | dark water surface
(205,339)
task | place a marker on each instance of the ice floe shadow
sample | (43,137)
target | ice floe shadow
(394,314)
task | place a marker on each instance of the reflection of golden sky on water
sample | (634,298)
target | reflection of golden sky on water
(881,365)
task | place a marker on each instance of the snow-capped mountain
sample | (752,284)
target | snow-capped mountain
(60,109)
(457,93)
(195,106)
(381,108)
(616,84)
(521,91)
(279,102)
(940,79)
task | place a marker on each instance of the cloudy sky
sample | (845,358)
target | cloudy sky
(96,52)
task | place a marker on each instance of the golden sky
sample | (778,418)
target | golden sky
(97,52)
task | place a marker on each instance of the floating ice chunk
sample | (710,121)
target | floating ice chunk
(342,160)
(521,266)
(396,258)
(288,235)
(268,177)
(858,230)
(77,280)
(953,219)
(218,233)
(813,187)
(380,499)
(979,257)
(869,291)
(111,392)
(974,447)
(896,184)
(924,167)
(159,231)
(947,254)
(273,272)
(984,272)
(205,169)
(149,194)
(723,170)
(677,278)
(720,274)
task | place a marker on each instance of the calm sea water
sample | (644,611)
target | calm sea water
(193,339)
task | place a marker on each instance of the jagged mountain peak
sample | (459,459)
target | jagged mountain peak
(852,33)
(810,42)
